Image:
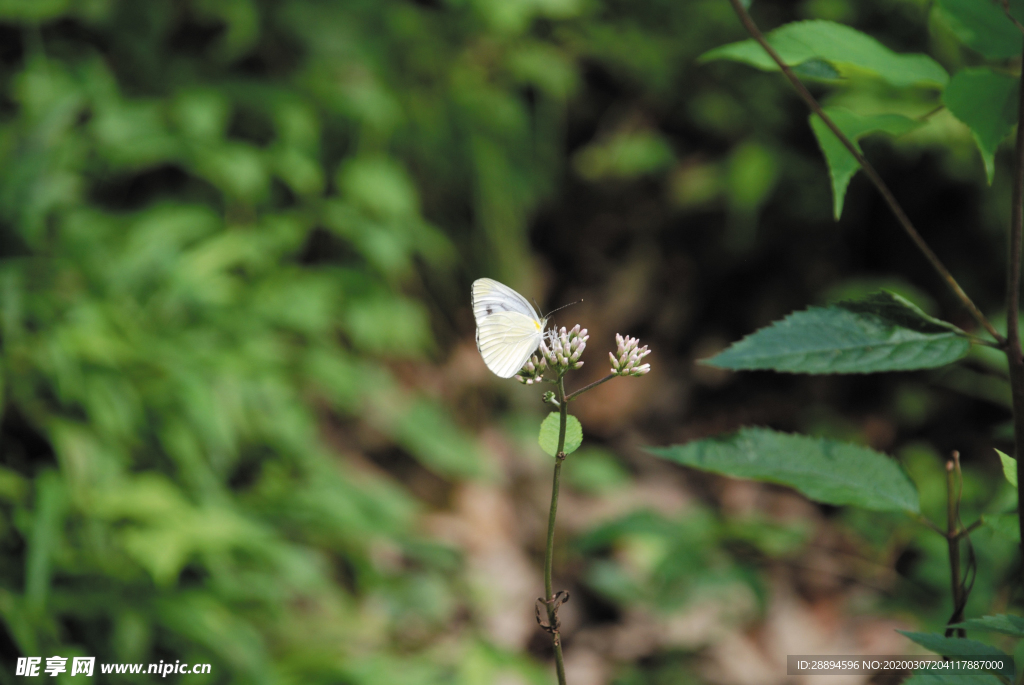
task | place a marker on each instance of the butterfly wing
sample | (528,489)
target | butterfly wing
(508,329)
(506,340)
(491,297)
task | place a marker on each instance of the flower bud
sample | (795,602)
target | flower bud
(627,357)
(533,370)
(562,349)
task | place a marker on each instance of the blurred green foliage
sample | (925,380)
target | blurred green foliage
(668,563)
(214,237)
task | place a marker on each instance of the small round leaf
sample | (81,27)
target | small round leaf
(548,437)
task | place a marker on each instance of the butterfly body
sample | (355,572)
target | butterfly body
(508,328)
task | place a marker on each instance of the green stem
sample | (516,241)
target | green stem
(953,544)
(574,395)
(964,532)
(982,341)
(549,593)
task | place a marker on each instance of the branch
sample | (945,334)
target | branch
(953,545)
(964,532)
(925,522)
(869,170)
(570,397)
(1006,9)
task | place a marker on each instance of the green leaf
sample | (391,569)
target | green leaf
(380,186)
(984,27)
(846,49)
(841,164)
(388,325)
(1009,467)
(986,101)
(817,69)
(956,646)
(45,536)
(548,437)
(823,470)
(901,312)
(882,333)
(1001,623)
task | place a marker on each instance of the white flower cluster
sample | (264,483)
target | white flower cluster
(533,371)
(566,348)
(561,350)
(626,360)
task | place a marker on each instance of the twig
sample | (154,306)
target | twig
(984,343)
(1006,9)
(869,170)
(925,522)
(953,544)
(930,113)
(574,395)
(964,532)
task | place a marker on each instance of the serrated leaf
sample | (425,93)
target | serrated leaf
(823,470)
(841,164)
(955,646)
(846,49)
(984,27)
(885,332)
(1000,623)
(986,101)
(900,311)
(1009,467)
(548,437)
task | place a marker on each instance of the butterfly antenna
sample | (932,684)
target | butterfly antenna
(548,315)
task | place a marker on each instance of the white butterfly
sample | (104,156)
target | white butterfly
(508,328)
